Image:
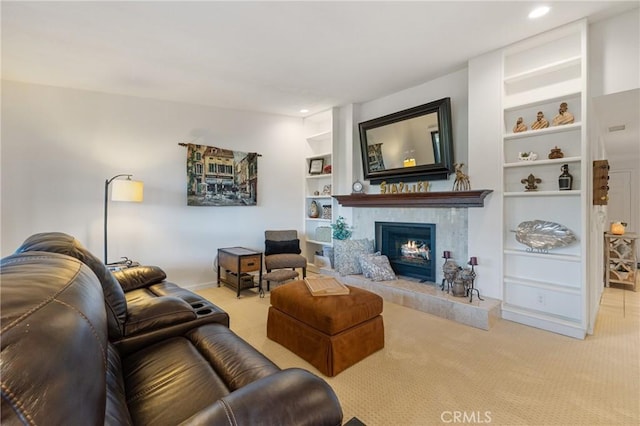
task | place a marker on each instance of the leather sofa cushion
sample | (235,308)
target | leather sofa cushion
(58,242)
(169,381)
(157,312)
(329,314)
(139,276)
(54,327)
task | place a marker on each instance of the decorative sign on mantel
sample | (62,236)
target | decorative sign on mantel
(401,187)
(473,198)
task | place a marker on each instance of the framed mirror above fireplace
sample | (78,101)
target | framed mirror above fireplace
(409,145)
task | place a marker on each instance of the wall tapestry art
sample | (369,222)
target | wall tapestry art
(221,177)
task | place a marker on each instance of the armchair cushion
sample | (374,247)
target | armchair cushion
(278,247)
(281,261)
(139,276)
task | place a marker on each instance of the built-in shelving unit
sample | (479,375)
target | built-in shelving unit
(318,187)
(546,290)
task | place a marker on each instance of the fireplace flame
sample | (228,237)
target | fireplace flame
(415,249)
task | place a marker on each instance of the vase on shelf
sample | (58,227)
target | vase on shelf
(314,210)
(565,180)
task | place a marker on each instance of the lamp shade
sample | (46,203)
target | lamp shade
(127,190)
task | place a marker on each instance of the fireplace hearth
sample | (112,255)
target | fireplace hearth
(409,247)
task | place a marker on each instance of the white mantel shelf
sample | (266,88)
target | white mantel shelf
(417,199)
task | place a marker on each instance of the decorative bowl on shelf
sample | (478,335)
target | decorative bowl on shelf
(541,235)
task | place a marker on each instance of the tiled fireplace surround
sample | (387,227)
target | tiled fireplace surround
(451,234)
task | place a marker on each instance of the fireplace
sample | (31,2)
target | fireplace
(410,248)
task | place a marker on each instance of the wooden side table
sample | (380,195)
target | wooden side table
(236,262)
(621,259)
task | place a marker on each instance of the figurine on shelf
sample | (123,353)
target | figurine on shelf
(564,116)
(555,153)
(520,126)
(530,183)
(462,180)
(540,122)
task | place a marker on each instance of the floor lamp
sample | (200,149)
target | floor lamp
(123,190)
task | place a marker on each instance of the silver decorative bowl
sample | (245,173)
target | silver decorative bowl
(542,236)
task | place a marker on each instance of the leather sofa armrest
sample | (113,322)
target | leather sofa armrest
(139,276)
(157,312)
(309,401)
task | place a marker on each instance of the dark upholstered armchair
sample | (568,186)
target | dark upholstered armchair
(282,252)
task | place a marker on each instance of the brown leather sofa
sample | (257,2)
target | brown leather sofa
(141,305)
(60,363)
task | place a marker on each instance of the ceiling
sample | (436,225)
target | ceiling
(274,57)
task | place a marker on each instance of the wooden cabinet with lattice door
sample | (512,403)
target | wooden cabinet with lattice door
(621,259)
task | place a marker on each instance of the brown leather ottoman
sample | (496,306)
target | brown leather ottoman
(330,332)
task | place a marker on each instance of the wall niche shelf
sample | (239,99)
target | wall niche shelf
(417,199)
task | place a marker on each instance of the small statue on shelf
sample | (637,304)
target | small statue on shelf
(564,116)
(555,153)
(540,122)
(520,126)
(530,183)
(462,180)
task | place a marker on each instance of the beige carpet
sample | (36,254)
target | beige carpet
(435,371)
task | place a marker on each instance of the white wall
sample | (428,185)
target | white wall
(485,166)
(614,49)
(454,86)
(59,146)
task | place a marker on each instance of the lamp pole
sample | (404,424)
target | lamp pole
(106,206)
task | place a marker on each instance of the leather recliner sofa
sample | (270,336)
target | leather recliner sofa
(141,305)
(60,366)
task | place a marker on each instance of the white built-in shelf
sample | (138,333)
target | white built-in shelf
(545,69)
(525,163)
(550,255)
(320,155)
(317,219)
(318,197)
(546,131)
(543,193)
(541,284)
(552,93)
(319,136)
(322,243)
(319,176)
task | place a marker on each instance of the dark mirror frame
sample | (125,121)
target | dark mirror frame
(437,171)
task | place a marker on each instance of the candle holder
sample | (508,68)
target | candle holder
(473,261)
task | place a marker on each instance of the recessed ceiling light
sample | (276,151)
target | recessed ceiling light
(539,11)
(304,110)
